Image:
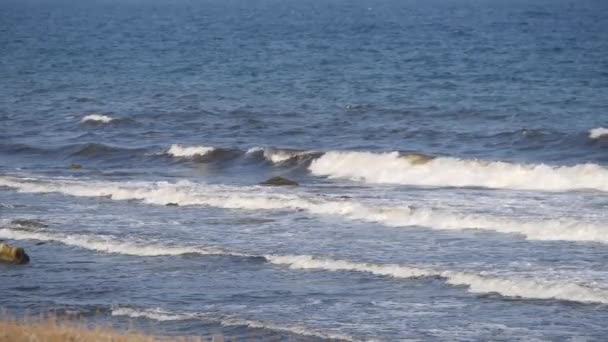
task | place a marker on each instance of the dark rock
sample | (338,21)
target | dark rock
(75,166)
(172,205)
(280,181)
(13,255)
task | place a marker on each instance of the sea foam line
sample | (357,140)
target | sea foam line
(97,118)
(396,168)
(255,198)
(475,282)
(107,244)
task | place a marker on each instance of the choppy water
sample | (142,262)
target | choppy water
(451,155)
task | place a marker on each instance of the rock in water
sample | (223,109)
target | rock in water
(13,255)
(279,181)
(75,166)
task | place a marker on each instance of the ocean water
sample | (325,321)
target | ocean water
(452,157)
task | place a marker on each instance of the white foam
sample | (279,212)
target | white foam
(256,198)
(106,244)
(394,168)
(476,283)
(598,132)
(97,118)
(188,151)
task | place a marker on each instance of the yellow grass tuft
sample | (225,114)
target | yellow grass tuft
(49,329)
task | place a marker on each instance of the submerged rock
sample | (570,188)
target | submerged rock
(280,181)
(13,255)
(75,166)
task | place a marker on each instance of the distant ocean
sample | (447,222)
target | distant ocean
(451,155)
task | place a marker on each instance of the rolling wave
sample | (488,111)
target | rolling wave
(598,133)
(421,170)
(475,282)
(210,153)
(92,150)
(256,198)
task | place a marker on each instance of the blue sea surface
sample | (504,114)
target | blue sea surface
(451,155)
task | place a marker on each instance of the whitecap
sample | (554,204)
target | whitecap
(188,151)
(97,118)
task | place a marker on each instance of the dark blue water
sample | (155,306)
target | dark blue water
(451,155)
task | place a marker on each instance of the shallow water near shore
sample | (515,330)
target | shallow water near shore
(452,158)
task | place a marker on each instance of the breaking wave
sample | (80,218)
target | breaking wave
(254,198)
(97,118)
(476,283)
(421,170)
(599,132)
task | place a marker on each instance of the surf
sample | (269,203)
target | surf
(187,193)
(474,282)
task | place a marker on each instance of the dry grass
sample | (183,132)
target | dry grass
(53,330)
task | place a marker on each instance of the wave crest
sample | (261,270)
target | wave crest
(395,168)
